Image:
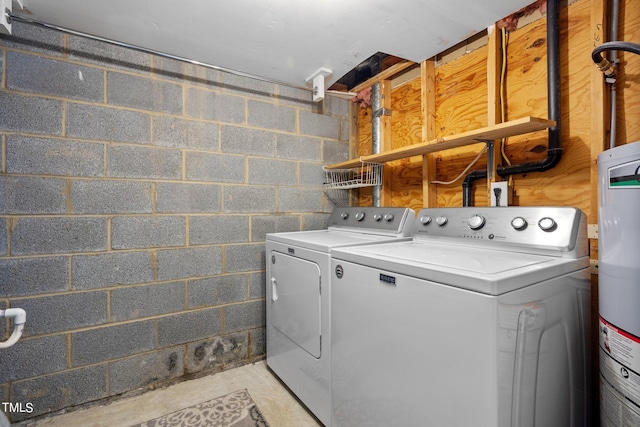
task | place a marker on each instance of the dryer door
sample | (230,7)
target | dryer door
(295,300)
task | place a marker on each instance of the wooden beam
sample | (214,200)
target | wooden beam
(493,101)
(385,143)
(428,106)
(489,133)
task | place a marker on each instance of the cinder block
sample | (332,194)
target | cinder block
(300,199)
(111,197)
(64,312)
(243,316)
(334,152)
(270,116)
(109,269)
(130,232)
(108,55)
(263,224)
(180,133)
(28,359)
(3,237)
(299,147)
(251,199)
(218,352)
(32,74)
(30,195)
(257,285)
(189,262)
(143,93)
(107,124)
(34,39)
(336,106)
(296,97)
(187,327)
(311,174)
(257,342)
(32,276)
(111,342)
(182,71)
(147,300)
(59,235)
(30,114)
(215,167)
(315,221)
(147,369)
(54,157)
(249,257)
(218,290)
(204,104)
(218,229)
(320,125)
(142,162)
(187,198)
(250,142)
(272,171)
(245,86)
(54,392)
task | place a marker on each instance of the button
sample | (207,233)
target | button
(344,215)
(425,220)
(547,224)
(388,217)
(476,222)
(441,220)
(519,223)
(377,217)
(359,216)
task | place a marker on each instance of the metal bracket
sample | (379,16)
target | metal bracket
(318,82)
(490,148)
(5,21)
(382,112)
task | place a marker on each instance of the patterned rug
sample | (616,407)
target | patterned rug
(235,409)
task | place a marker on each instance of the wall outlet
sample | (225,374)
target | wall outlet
(500,193)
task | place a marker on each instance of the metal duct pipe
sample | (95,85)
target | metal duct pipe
(554,147)
(376,134)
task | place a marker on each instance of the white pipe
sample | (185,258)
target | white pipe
(19,318)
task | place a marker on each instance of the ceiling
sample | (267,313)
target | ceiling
(281,40)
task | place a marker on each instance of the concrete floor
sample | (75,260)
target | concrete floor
(276,403)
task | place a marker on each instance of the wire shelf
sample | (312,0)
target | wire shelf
(368,174)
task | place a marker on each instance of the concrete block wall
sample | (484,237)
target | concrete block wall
(135,196)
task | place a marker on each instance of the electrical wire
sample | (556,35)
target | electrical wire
(503,71)
(464,171)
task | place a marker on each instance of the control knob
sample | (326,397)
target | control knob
(441,221)
(476,222)
(377,217)
(388,217)
(425,220)
(344,215)
(547,224)
(359,216)
(519,223)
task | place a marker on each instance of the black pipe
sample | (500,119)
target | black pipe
(554,148)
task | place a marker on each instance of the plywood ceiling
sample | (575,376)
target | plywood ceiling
(282,40)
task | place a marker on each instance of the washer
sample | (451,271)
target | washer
(299,296)
(482,319)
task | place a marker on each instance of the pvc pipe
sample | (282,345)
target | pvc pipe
(19,318)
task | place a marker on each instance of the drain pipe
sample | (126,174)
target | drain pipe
(19,318)
(376,134)
(554,148)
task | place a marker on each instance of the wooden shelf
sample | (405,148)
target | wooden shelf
(490,133)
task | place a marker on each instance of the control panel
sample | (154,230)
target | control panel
(396,220)
(557,228)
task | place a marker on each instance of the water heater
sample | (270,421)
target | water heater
(619,285)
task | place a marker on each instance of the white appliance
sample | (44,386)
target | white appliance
(482,319)
(619,285)
(299,295)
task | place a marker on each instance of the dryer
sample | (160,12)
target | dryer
(299,296)
(482,319)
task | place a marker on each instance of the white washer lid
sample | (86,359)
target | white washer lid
(477,269)
(324,240)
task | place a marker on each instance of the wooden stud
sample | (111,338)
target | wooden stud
(428,106)
(493,100)
(385,143)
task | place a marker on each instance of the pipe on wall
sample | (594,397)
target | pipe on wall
(376,134)
(554,147)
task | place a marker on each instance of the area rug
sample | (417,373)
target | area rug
(235,409)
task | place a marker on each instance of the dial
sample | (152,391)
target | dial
(344,215)
(425,220)
(359,216)
(388,217)
(476,222)
(519,223)
(377,217)
(441,221)
(547,224)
